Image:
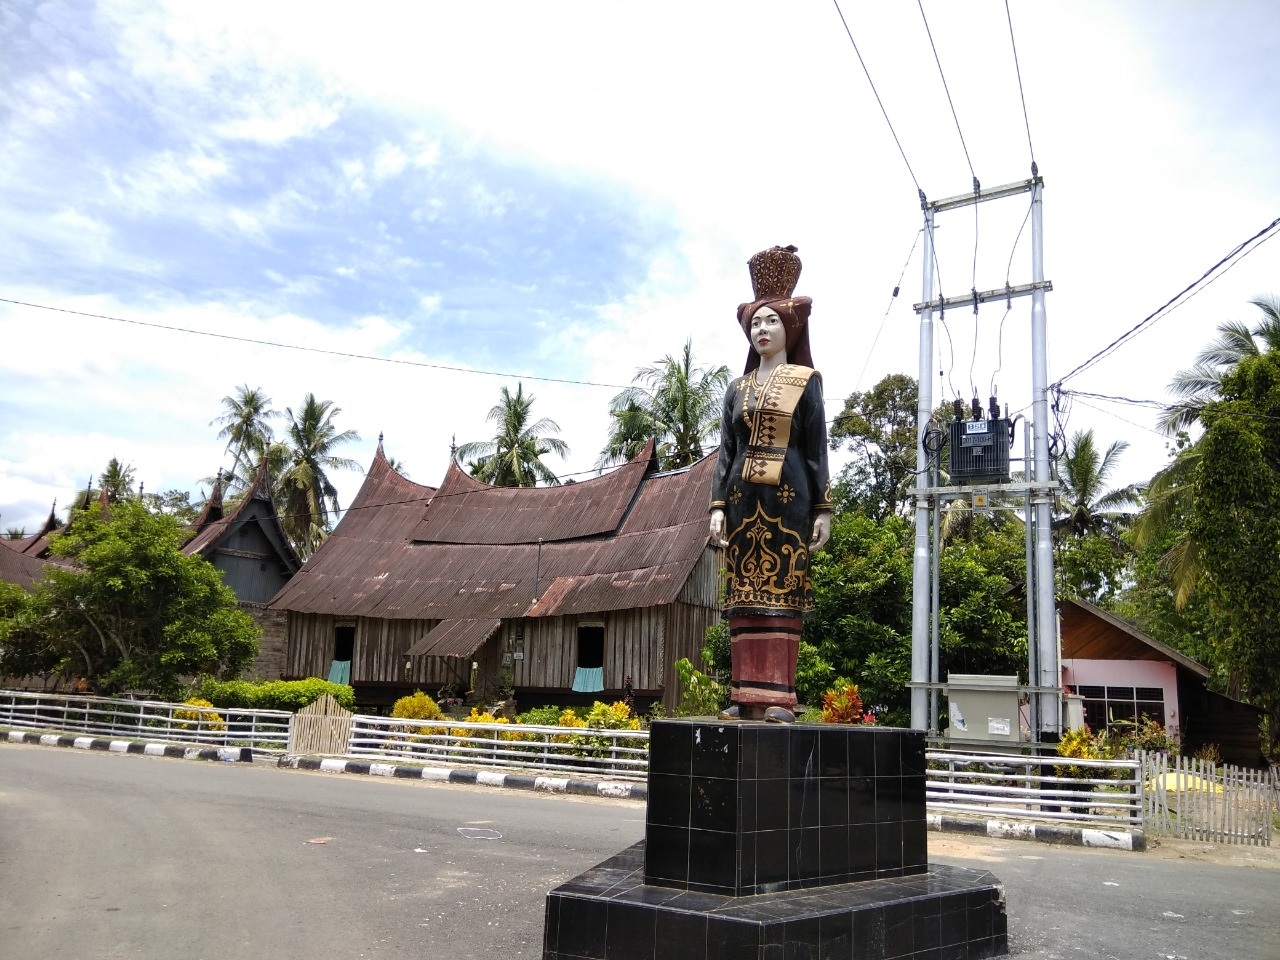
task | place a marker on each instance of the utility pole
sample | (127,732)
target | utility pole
(1042,630)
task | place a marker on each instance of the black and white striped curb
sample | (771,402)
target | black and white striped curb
(152,749)
(618,790)
(1043,832)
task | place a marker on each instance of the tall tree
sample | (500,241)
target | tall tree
(1169,493)
(117,480)
(879,428)
(1236,520)
(133,613)
(1085,504)
(305,493)
(246,426)
(1092,555)
(675,402)
(513,458)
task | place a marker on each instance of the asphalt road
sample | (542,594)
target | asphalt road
(111,856)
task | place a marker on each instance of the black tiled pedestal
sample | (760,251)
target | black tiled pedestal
(774,842)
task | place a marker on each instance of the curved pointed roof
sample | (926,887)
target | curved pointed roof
(376,564)
(464,510)
(213,523)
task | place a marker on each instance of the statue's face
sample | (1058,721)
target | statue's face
(768,335)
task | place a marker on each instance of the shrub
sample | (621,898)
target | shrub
(700,695)
(1147,734)
(206,719)
(417,706)
(1078,744)
(547,716)
(842,704)
(291,695)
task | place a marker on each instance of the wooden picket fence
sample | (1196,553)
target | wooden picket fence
(321,728)
(1199,800)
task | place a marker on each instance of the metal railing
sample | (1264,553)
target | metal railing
(1092,793)
(616,753)
(266,731)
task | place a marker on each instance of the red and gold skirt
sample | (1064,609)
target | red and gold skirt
(764,651)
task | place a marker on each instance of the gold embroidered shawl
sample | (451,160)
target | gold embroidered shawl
(771,423)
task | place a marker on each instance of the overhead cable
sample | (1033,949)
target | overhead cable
(322,350)
(876,93)
(1238,253)
(1018,69)
(947,90)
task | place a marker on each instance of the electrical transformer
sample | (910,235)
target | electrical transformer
(980,450)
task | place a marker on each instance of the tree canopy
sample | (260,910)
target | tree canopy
(134,613)
(676,403)
(513,458)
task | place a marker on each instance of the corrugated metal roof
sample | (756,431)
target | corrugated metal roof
(368,568)
(23,570)
(466,511)
(213,524)
(454,638)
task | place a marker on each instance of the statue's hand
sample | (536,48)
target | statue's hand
(821,531)
(717,528)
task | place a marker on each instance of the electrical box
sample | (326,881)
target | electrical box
(980,451)
(983,708)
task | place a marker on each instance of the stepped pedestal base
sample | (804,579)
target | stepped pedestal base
(772,842)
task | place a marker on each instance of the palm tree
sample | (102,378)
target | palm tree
(1085,505)
(15,533)
(247,429)
(674,402)
(1168,495)
(117,480)
(513,458)
(304,490)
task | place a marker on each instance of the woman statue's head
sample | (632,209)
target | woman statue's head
(774,274)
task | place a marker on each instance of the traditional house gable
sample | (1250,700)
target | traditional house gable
(1123,675)
(586,590)
(248,545)
(21,569)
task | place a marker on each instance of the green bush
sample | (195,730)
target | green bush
(291,695)
(546,716)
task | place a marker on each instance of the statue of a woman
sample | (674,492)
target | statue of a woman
(771,496)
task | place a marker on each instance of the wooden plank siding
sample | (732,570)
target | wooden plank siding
(705,586)
(686,633)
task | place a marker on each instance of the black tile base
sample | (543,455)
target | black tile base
(779,842)
(748,808)
(609,913)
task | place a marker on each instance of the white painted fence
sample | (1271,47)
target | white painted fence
(1092,793)
(615,753)
(266,731)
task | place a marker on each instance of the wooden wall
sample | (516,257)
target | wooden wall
(686,634)
(380,646)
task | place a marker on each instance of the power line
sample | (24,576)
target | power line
(896,287)
(876,93)
(1018,69)
(1239,252)
(947,90)
(321,350)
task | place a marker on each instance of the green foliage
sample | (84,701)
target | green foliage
(716,651)
(291,695)
(700,695)
(305,494)
(417,706)
(135,613)
(1236,522)
(547,716)
(1145,734)
(1078,744)
(513,458)
(879,428)
(673,402)
(1091,567)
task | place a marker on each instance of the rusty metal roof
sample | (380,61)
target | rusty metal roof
(454,638)
(375,565)
(22,569)
(467,511)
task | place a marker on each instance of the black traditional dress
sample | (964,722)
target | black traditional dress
(771,480)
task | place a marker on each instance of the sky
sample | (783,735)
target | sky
(438,200)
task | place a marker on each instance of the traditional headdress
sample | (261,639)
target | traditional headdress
(774,274)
